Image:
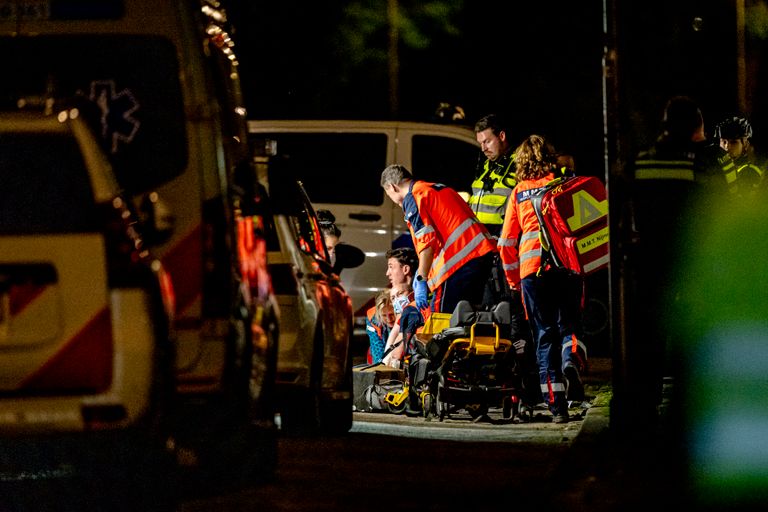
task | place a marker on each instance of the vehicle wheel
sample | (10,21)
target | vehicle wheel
(239,443)
(150,459)
(259,429)
(300,411)
(336,414)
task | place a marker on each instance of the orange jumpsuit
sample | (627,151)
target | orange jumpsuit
(552,297)
(438,217)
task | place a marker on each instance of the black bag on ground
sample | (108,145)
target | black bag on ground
(373,395)
(371,383)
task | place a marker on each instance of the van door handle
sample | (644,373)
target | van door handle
(369,217)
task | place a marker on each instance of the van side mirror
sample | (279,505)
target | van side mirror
(347,256)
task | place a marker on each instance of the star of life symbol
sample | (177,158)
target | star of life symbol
(117,108)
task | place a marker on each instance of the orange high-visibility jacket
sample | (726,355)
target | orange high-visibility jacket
(438,217)
(519,243)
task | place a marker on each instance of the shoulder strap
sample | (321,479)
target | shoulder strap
(548,254)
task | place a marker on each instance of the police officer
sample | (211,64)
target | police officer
(491,188)
(666,178)
(495,178)
(735,135)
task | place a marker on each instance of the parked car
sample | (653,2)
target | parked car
(314,364)
(85,312)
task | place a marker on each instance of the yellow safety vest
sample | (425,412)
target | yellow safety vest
(490,205)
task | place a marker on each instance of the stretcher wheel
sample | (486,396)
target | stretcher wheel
(397,409)
(441,407)
(525,413)
(510,407)
(426,405)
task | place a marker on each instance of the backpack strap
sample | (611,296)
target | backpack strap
(548,255)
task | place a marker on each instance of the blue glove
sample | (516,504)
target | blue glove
(421,292)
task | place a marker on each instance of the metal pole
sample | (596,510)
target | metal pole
(615,185)
(741,60)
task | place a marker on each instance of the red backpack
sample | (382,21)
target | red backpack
(573,219)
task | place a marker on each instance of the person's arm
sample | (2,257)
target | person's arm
(426,256)
(507,245)
(376,342)
(420,286)
(396,353)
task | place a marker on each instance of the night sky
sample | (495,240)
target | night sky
(539,63)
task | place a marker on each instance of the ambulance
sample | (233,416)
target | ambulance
(158,82)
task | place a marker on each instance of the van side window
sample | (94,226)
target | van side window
(337,168)
(444,160)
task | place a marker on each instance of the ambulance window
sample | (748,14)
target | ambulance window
(44,186)
(338,168)
(444,160)
(130,84)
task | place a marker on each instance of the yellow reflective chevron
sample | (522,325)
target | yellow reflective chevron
(586,209)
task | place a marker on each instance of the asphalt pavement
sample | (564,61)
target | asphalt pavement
(601,470)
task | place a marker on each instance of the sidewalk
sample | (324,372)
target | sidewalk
(605,471)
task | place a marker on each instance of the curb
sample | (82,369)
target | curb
(597,418)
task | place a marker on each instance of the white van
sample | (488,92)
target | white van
(159,82)
(340,163)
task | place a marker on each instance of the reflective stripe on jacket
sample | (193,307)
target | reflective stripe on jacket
(438,217)
(649,169)
(490,205)
(687,165)
(519,243)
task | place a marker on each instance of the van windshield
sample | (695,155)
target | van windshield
(130,88)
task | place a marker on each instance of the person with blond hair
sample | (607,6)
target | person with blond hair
(551,296)
(379,321)
(401,295)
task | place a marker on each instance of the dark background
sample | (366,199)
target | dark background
(541,63)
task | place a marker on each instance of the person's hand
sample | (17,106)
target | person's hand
(421,292)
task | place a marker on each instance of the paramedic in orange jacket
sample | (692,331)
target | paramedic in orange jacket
(455,250)
(552,297)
